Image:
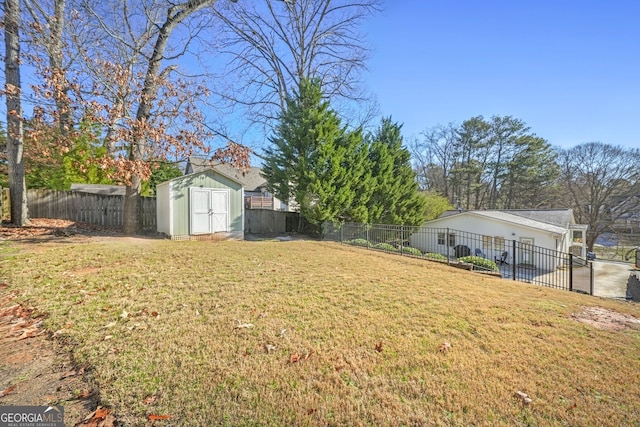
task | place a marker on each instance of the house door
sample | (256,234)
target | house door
(209,210)
(526,251)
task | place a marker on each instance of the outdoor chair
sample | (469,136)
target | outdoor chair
(503,258)
(479,253)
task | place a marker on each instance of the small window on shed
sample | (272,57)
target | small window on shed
(499,243)
(452,239)
(441,239)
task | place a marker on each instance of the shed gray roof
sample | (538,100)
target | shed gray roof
(252,179)
(112,190)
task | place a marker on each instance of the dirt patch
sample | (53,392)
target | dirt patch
(34,368)
(602,318)
(47,229)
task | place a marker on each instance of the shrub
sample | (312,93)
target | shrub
(411,251)
(358,242)
(385,247)
(435,256)
(483,263)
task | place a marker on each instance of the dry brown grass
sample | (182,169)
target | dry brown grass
(158,324)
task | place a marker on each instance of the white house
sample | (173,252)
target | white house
(491,234)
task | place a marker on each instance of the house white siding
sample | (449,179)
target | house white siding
(489,235)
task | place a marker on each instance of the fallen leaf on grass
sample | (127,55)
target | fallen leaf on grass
(294,357)
(155,314)
(244,326)
(101,412)
(69,374)
(154,417)
(445,347)
(524,397)
(110,325)
(84,394)
(150,399)
(7,391)
(270,348)
(379,347)
(29,333)
(572,407)
(60,332)
(101,417)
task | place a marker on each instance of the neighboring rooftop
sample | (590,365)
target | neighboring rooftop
(252,179)
(110,190)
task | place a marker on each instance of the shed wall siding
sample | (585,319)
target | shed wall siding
(180,200)
(163,208)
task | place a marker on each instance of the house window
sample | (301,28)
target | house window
(499,243)
(442,237)
(486,243)
(577,236)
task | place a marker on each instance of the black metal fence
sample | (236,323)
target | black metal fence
(511,259)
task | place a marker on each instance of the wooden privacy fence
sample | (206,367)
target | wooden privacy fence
(258,202)
(108,210)
(96,209)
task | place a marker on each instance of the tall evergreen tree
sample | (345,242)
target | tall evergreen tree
(396,199)
(315,161)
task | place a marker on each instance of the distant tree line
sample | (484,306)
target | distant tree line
(498,163)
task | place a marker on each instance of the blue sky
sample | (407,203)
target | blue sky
(569,69)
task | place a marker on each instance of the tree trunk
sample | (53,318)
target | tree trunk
(61,85)
(176,14)
(17,186)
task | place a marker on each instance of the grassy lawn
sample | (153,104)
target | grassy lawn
(164,327)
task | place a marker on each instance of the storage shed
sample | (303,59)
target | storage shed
(205,205)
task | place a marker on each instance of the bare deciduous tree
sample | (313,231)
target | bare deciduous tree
(149,114)
(46,36)
(272,45)
(602,182)
(13,92)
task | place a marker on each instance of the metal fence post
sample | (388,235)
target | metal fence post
(590,278)
(570,272)
(367,228)
(513,260)
(446,245)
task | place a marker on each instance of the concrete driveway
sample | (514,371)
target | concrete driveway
(610,278)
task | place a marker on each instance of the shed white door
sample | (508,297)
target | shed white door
(209,210)
(219,211)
